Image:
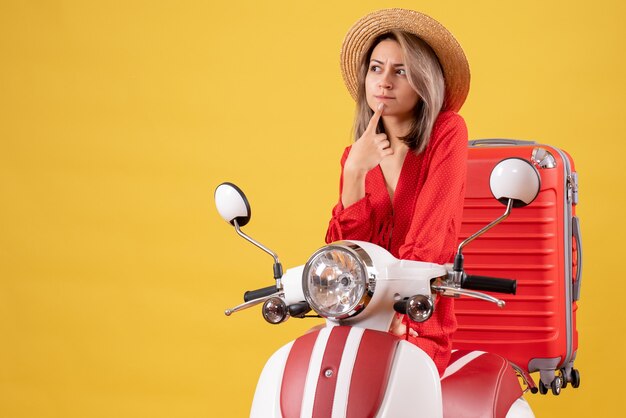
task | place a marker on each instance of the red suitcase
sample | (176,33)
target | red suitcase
(539,246)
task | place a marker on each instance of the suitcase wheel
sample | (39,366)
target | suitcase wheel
(542,388)
(572,376)
(555,386)
(575,378)
(564,377)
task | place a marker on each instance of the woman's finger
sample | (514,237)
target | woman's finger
(371,126)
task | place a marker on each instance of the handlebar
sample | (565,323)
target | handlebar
(259,293)
(489,284)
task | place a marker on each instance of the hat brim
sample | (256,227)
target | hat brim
(449,52)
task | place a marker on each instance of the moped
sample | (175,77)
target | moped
(353,367)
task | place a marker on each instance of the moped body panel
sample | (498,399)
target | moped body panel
(348,372)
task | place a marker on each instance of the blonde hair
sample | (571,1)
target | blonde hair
(424,74)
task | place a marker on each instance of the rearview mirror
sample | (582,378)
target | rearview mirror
(516,179)
(232,204)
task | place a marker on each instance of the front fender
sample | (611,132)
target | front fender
(341,371)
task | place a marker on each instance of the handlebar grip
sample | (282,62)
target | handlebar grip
(489,284)
(259,293)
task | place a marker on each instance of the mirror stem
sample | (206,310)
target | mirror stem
(458,260)
(278,268)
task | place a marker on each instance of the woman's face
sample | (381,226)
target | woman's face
(386,81)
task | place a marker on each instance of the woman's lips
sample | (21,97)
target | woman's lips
(384,97)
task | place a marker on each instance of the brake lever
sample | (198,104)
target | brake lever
(454,291)
(251,303)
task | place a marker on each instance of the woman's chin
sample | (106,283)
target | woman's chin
(392,113)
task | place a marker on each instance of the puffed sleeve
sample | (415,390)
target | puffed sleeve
(438,209)
(353,222)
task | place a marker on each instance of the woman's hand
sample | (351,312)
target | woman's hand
(366,153)
(369,150)
(398,328)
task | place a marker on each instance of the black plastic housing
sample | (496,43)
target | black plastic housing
(489,284)
(259,293)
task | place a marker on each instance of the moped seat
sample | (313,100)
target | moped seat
(478,384)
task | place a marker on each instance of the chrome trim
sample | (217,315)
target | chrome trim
(471,238)
(367,266)
(454,278)
(256,243)
(542,158)
(572,188)
(423,308)
(453,291)
(251,303)
(527,378)
(279,284)
(283,306)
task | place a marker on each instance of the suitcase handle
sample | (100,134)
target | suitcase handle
(579,257)
(499,141)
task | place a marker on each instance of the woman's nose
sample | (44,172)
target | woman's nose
(385,82)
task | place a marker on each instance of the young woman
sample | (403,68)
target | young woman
(403,180)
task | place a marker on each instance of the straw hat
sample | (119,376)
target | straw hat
(452,58)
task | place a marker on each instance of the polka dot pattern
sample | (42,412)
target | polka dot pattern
(423,221)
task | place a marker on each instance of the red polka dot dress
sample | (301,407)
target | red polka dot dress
(423,221)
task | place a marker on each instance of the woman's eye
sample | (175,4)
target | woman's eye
(401,71)
(375,68)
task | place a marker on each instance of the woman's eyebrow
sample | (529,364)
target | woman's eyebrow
(382,63)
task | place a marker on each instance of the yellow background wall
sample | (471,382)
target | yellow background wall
(119,118)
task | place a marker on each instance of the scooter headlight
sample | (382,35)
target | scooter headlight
(336,280)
